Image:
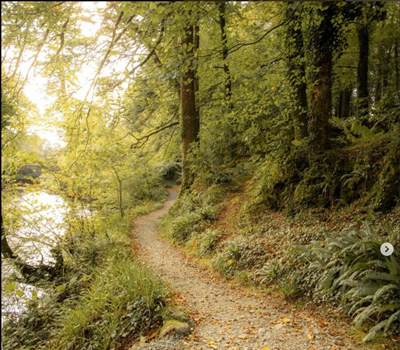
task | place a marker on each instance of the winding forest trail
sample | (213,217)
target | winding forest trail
(228,316)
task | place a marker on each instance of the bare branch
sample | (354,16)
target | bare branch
(142,140)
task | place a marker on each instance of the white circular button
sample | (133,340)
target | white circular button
(387,249)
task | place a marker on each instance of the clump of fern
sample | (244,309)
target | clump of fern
(366,283)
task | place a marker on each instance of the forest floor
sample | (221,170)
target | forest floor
(226,315)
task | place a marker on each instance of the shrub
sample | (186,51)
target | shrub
(124,300)
(103,297)
(268,273)
(208,241)
(183,226)
(145,184)
(356,274)
(171,171)
(188,215)
(239,254)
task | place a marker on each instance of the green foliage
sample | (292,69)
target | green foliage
(367,170)
(128,124)
(122,301)
(103,297)
(351,269)
(32,328)
(184,226)
(170,171)
(208,241)
(239,254)
(386,190)
(270,272)
(144,184)
(189,215)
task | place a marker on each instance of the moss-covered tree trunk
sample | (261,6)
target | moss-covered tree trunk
(397,67)
(323,34)
(224,41)
(295,68)
(343,109)
(190,117)
(362,69)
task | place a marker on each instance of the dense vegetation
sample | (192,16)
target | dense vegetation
(280,120)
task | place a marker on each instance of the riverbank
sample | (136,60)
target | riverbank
(103,296)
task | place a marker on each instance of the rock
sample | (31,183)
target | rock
(175,327)
(28,172)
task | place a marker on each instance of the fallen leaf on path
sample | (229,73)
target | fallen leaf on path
(310,335)
(212,345)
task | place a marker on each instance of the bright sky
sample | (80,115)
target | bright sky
(35,88)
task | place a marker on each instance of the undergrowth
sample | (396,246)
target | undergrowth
(104,297)
(191,214)
(313,256)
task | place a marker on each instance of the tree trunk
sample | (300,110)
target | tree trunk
(362,69)
(224,41)
(189,111)
(196,41)
(321,109)
(296,70)
(385,70)
(397,68)
(378,84)
(322,41)
(6,250)
(119,190)
(344,103)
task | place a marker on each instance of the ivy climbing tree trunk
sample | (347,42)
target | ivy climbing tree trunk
(190,116)
(296,69)
(362,69)
(322,39)
(224,41)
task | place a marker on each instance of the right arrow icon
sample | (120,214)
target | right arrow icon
(387,249)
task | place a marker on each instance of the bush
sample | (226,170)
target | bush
(190,214)
(124,300)
(353,272)
(171,171)
(208,241)
(103,298)
(269,273)
(145,184)
(182,227)
(239,254)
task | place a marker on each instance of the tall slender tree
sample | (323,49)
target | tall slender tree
(323,36)
(189,112)
(362,68)
(295,68)
(225,51)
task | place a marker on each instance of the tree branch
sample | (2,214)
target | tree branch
(142,140)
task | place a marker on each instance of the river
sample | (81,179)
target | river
(38,227)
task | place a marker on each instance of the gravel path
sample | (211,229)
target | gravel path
(228,316)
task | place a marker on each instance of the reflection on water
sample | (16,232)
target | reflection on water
(41,225)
